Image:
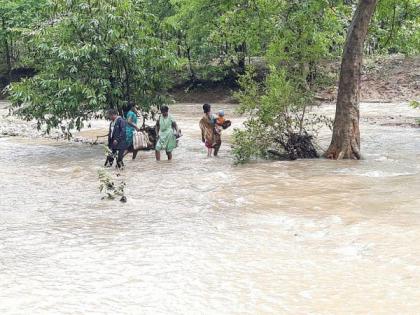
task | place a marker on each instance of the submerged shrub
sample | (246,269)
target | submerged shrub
(278,124)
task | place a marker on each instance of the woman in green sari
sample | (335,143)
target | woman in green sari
(131,118)
(166,140)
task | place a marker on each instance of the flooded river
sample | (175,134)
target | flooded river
(201,236)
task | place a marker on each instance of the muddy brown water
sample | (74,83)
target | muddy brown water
(201,236)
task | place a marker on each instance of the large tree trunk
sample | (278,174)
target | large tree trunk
(345,143)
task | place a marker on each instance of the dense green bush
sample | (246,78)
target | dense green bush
(94,55)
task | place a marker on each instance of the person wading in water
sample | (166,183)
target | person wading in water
(211,139)
(116,139)
(131,121)
(166,140)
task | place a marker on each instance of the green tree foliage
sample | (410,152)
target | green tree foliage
(218,36)
(15,17)
(93,55)
(396,27)
(307,33)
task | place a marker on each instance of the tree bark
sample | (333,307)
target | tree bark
(7,52)
(193,76)
(345,143)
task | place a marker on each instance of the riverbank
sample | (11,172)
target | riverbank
(391,79)
(380,114)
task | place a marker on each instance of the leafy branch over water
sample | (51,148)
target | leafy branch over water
(109,186)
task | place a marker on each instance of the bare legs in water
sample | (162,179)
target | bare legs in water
(157,154)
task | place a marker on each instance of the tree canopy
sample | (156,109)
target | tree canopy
(94,55)
(90,55)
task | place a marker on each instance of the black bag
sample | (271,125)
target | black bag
(226,124)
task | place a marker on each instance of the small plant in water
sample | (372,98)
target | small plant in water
(110,187)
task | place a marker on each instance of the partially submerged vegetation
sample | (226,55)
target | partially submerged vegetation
(111,184)
(111,187)
(279,121)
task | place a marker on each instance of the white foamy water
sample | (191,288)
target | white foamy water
(201,236)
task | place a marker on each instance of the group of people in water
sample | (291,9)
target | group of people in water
(123,129)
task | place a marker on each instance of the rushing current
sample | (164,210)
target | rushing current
(202,236)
